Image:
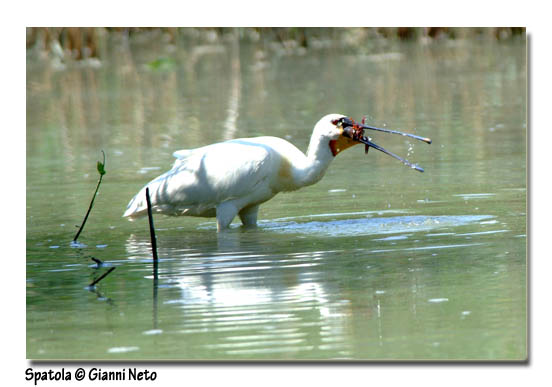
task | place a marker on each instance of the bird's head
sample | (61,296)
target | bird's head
(343,132)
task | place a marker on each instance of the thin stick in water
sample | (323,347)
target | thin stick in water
(101,277)
(152,229)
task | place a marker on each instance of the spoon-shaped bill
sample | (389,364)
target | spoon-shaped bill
(365,140)
(424,139)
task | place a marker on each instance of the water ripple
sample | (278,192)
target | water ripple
(369,225)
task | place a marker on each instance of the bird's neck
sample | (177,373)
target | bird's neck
(319,157)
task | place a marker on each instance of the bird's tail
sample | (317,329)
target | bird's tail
(138,206)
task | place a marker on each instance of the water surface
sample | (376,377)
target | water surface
(376,261)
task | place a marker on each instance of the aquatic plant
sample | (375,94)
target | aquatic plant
(101,170)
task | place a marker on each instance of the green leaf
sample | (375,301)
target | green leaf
(101,168)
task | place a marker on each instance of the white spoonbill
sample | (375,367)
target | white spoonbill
(234,177)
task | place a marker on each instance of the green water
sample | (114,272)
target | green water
(376,261)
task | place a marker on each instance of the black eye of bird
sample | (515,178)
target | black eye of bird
(347,121)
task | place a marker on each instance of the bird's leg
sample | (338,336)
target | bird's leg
(248,216)
(226,212)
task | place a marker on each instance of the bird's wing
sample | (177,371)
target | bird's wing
(183,153)
(234,168)
(206,176)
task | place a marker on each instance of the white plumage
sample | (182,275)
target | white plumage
(234,177)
